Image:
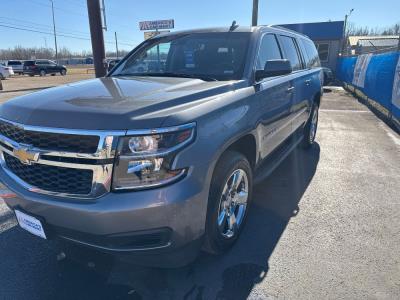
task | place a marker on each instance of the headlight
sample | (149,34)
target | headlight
(144,159)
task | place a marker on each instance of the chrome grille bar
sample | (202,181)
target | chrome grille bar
(102,170)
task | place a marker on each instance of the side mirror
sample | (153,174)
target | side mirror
(274,67)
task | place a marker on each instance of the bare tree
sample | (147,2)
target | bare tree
(352,29)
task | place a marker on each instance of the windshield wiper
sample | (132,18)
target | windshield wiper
(170,74)
(184,75)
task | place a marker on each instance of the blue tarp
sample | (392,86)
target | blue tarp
(379,71)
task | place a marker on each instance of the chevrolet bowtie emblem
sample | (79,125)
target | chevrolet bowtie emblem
(25,155)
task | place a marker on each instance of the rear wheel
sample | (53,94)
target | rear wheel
(42,73)
(228,202)
(310,130)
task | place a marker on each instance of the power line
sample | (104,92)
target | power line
(11,26)
(114,26)
(41,25)
(58,8)
(41,29)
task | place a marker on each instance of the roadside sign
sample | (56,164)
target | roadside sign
(155,25)
(150,34)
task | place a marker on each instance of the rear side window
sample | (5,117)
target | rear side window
(29,63)
(291,52)
(14,63)
(312,54)
(269,50)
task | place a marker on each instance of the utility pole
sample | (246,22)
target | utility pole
(54,29)
(345,29)
(116,43)
(96,33)
(255,13)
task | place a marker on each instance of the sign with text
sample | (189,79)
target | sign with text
(155,25)
(150,34)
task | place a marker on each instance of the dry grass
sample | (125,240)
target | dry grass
(80,69)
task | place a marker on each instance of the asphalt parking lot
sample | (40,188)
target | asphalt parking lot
(324,225)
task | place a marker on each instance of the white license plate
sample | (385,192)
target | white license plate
(30,224)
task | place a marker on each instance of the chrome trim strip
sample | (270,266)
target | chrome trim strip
(105,147)
(64,130)
(161,130)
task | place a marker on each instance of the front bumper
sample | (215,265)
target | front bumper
(150,225)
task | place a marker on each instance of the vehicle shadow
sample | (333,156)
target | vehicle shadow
(229,276)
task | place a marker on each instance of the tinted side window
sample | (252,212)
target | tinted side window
(29,63)
(312,54)
(269,49)
(291,52)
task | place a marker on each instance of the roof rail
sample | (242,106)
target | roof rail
(287,29)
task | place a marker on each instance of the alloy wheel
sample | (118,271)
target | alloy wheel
(233,203)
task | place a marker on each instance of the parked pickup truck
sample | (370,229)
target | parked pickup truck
(153,166)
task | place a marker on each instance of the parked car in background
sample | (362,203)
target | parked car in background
(5,72)
(43,67)
(159,163)
(17,66)
(328,75)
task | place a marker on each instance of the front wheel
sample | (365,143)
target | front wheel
(310,130)
(228,202)
(63,72)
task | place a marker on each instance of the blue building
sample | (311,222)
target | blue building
(327,36)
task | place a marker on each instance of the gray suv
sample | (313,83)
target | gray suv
(153,164)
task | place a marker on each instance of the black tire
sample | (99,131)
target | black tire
(42,73)
(308,135)
(215,242)
(31,75)
(63,72)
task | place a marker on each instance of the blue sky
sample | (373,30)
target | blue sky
(123,16)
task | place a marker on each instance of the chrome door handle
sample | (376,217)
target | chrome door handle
(290,90)
(308,81)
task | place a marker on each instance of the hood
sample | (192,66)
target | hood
(111,103)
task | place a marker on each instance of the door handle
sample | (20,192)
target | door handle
(308,81)
(290,90)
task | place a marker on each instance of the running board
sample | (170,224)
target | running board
(275,158)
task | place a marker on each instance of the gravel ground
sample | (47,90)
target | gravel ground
(324,225)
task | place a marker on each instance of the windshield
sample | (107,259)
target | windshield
(208,56)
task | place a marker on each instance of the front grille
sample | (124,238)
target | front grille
(52,178)
(50,141)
